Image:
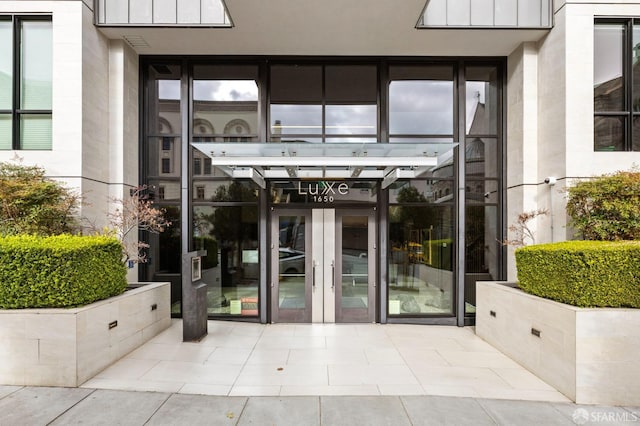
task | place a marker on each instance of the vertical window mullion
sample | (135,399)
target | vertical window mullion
(628,79)
(16,84)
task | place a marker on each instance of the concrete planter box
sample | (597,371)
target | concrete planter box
(588,354)
(66,347)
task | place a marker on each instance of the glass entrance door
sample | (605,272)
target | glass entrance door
(323,265)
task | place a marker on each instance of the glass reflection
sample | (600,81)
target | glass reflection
(608,85)
(292,297)
(481,157)
(421,191)
(421,107)
(351,119)
(231,267)
(6,68)
(609,133)
(225,110)
(164,100)
(163,156)
(295,119)
(482,250)
(420,259)
(354,302)
(482,100)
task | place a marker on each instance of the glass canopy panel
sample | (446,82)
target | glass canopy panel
(163,12)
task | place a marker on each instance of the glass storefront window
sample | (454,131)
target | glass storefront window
(482,250)
(225,103)
(482,100)
(231,267)
(420,259)
(421,191)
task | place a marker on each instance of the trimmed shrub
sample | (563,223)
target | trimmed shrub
(582,273)
(59,271)
(607,207)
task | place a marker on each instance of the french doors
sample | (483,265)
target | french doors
(323,265)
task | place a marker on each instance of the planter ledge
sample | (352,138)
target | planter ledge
(588,354)
(66,347)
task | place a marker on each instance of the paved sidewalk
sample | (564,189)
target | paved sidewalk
(247,359)
(82,406)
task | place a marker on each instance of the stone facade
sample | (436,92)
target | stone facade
(66,347)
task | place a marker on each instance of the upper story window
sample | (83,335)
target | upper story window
(616,85)
(25,82)
(323,103)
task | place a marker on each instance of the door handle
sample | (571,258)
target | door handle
(313,275)
(333,275)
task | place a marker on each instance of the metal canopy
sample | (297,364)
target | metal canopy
(386,161)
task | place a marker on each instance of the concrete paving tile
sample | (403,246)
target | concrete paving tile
(133,385)
(327,356)
(200,389)
(519,378)
(229,356)
(384,355)
(479,359)
(593,414)
(128,369)
(281,411)
(443,390)
(292,342)
(325,330)
(108,407)
(363,410)
(248,390)
(38,405)
(401,390)
(268,356)
(522,394)
(191,372)
(523,413)
(8,390)
(371,375)
(268,374)
(438,410)
(196,410)
(292,390)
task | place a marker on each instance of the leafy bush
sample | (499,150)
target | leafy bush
(607,207)
(582,273)
(59,271)
(32,204)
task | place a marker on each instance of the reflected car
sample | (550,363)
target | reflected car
(291,261)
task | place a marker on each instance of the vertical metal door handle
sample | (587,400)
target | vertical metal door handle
(333,274)
(313,276)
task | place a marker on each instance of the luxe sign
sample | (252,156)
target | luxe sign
(323,191)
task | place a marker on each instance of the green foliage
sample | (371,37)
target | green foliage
(606,208)
(582,273)
(59,271)
(32,204)
(439,256)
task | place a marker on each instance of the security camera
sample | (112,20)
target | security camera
(550,181)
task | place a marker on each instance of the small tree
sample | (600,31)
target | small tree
(522,233)
(132,214)
(606,207)
(32,204)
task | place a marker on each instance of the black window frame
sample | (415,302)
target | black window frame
(627,113)
(16,112)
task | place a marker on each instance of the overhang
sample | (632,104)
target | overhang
(387,162)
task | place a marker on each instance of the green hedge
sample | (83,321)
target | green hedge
(59,271)
(582,273)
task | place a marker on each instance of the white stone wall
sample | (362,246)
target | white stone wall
(550,118)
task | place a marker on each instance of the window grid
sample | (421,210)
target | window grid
(614,126)
(21,122)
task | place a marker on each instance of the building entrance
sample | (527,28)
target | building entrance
(323,265)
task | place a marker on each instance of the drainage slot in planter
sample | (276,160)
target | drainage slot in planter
(154,306)
(535,332)
(113,324)
(492,313)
